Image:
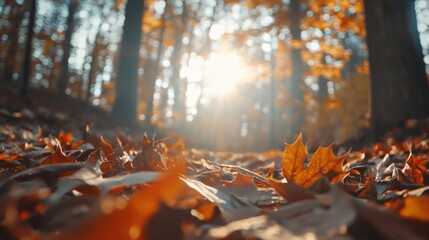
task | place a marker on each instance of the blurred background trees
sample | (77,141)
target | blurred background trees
(226,74)
(398,76)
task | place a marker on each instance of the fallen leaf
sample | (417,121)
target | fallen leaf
(231,207)
(391,225)
(58,156)
(108,151)
(118,218)
(291,191)
(415,169)
(87,177)
(245,189)
(49,173)
(322,162)
(416,208)
(293,159)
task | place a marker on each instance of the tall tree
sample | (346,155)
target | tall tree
(63,80)
(13,34)
(274,113)
(98,46)
(297,111)
(28,50)
(125,105)
(399,87)
(207,47)
(152,69)
(179,87)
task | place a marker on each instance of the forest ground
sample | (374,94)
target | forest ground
(67,166)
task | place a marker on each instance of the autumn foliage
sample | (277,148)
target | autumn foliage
(115,185)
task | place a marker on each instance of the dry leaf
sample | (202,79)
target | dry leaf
(322,162)
(293,159)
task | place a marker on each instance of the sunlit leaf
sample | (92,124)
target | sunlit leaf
(294,158)
(119,218)
(322,162)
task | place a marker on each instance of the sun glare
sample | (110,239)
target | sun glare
(223,72)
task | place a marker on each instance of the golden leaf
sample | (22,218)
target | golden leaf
(323,162)
(293,159)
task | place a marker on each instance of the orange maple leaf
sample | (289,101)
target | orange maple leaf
(323,162)
(117,218)
(293,159)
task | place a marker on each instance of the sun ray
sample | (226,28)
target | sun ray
(223,72)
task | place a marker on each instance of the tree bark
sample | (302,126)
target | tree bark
(10,60)
(94,65)
(399,87)
(63,80)
(205,51)
(297,111)
(153,71)
(125,105)
(28,51)
(274,113)
(178,85)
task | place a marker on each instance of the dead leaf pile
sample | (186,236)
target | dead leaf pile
(114,186)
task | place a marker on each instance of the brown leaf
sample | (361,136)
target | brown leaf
(232,207)
(118,218)
(245,189)
(58,156)
(206,211)
(290,191)
(293,159)
(108,151)
(322,162)
(149,158)
(326,218)
(241,180)
(9,157)
(416,208)
(65,138)
(415,168)
(391,225)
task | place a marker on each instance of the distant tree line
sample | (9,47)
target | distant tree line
(312,61)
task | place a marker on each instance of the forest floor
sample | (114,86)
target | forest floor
(68,172)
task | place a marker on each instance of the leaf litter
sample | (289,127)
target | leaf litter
(110,184)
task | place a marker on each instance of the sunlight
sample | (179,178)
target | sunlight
(223,72)
(215,78)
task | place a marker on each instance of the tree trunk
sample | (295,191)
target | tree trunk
(205,51)
(274,113)
(10,60)
(399,87)
(154,71)
(94,65)
(325,131)
(28,51)
(179,87)
(63,80)
(125,105)
(297,110)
